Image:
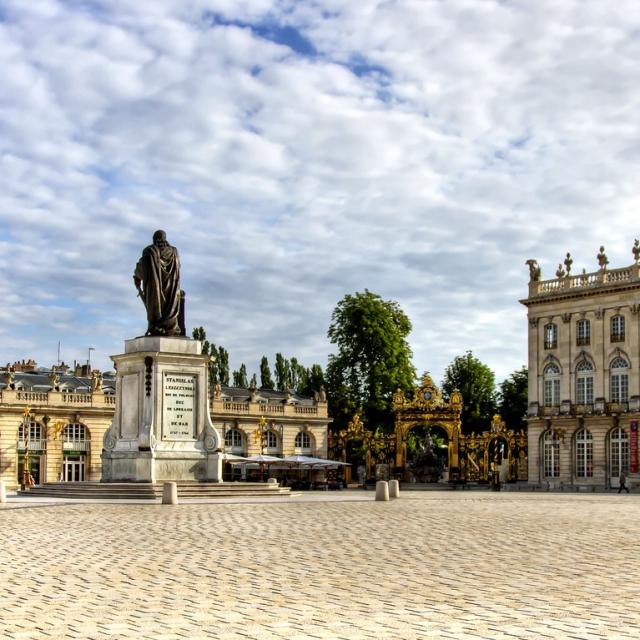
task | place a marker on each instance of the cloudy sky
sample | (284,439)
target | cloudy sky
(296,151)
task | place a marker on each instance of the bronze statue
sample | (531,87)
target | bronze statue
(157,279)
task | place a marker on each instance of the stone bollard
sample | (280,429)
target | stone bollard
(394,489)
(170,493)
(272,481)
(382,491)
(3,492)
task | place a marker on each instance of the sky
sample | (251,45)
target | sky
(299,151)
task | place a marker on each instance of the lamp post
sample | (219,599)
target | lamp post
(259,435)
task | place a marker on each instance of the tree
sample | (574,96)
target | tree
(476,383)
(266,381)
(223,366)
(373,359)
(283,373)
(514,399)
(240,377)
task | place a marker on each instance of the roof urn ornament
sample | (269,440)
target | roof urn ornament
(636,250)
(603,261)
(568,261)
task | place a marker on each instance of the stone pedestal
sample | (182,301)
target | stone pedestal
(161,428)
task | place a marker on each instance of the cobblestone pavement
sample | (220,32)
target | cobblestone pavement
(429,565)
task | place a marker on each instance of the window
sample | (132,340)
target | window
(303,442)
(617,329)
(550,336)
(33,433)
(583,332)
(551,385)
(551,455)
(584,383)
(233,441)
(75,432)
(619,386)
(619,452)
(271,442)
(584,454)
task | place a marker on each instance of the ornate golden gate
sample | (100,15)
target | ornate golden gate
(474,457)
(428,407)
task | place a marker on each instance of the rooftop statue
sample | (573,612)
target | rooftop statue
(157,279)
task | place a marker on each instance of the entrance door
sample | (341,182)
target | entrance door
(34,466)
(618,455)
(74,469)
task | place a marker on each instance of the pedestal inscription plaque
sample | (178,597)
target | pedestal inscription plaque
(179,406)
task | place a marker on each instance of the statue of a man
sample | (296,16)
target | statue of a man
(157,279)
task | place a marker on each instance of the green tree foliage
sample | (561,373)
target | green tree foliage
(476,383)
(373,359)
(240,377)
(223,366)
(266,381)
(283,373)
(513,399)
(208,349)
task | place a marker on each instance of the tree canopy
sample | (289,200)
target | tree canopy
(373,359)
(266,381)
(476,382)
(513,399)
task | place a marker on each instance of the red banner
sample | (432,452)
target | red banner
(633,447)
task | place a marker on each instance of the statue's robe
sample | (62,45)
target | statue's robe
(159,271)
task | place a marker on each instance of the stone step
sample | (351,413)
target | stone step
(148,491)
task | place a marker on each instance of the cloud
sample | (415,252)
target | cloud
(297,152)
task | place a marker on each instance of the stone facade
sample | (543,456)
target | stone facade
(584,375)
(84,410)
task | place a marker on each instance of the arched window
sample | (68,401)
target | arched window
(75,432)
(583,332)
(550,336)
(74,437)
(32,432)
(271,441)
(619,451)
(619,380)
(584,383)
(233,441)
(551,385)
(551,444)
(303,442)
(584,454)
(617,328)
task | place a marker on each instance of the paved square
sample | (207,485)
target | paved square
(430,565)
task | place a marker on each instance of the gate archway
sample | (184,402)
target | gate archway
(428,407)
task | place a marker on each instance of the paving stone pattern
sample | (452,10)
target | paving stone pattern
(429,565)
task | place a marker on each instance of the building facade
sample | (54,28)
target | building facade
(58,420)
(584,374)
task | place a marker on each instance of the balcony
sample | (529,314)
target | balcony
(76,445)
(34,445)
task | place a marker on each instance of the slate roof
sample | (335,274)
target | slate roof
(270,396)
(39,381)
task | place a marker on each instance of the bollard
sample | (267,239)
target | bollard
(382,490)
(394,489)
(3,492)
(170,493)
(272,481)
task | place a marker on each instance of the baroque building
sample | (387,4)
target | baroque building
(584,374)
(57,420)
